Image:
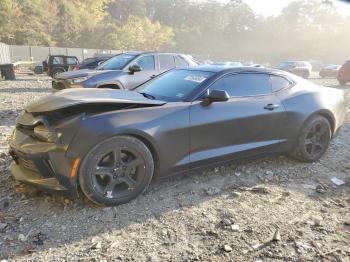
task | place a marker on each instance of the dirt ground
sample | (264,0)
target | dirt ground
(270,209)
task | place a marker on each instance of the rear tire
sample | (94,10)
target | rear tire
(116,171)
(313,140)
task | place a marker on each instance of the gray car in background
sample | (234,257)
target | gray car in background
(124,71)
(299,68)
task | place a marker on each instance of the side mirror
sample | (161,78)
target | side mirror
(216,96)
(134,68)
(100,62)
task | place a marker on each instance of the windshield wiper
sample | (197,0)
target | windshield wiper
(148,96)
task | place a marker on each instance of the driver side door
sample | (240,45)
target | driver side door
(147,64)
(249,123)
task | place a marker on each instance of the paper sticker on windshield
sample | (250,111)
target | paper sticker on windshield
(194,78)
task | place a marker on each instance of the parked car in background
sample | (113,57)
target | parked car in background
(123,71)
(256,65)
(329,71)
(92,62)
(299,68)
(111,143)
(344,73)
(56,64)
(227,64)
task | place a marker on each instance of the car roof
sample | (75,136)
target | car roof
(63,55)
(150,52)
(218,69)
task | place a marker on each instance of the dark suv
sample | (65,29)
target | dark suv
(123,71)
(92,62)
(56,64)
(344,73)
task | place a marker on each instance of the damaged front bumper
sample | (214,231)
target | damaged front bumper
(42,164)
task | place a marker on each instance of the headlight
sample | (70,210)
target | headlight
(79,79)
(44,134)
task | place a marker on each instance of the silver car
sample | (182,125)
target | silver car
(123,71)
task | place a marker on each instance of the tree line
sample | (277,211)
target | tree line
(233,31)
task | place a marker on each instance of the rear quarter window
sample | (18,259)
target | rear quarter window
(278,83)
(180,62)
(166,62)
(72,61)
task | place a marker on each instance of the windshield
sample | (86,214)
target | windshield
(175,85)
(116,63)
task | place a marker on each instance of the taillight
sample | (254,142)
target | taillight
(341,71)
(77,67)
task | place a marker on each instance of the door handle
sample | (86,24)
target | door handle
(152,76)
(271,107)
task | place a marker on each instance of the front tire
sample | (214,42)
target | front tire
(313,140)
(116,171)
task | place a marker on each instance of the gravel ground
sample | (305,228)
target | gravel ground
(270,209)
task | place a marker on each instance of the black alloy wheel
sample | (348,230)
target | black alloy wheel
(313,140)
(116,171)
(317,139)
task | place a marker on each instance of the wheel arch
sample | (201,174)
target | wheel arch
(143,137)
(147,140)
(326,114)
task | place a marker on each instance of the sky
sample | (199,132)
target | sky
(274,7)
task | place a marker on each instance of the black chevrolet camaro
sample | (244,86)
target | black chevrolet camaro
(111,143)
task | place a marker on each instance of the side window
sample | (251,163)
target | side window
(278,83)
(166,62)
(146,62)
(72,61)
(244,84)
(180,62)
(57,60)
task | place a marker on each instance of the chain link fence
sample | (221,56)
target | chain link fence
(15,53)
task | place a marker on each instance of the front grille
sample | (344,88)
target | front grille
(23,162)
(27,164)
(28,130)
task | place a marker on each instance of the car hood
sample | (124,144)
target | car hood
(83,73)
(81,96)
